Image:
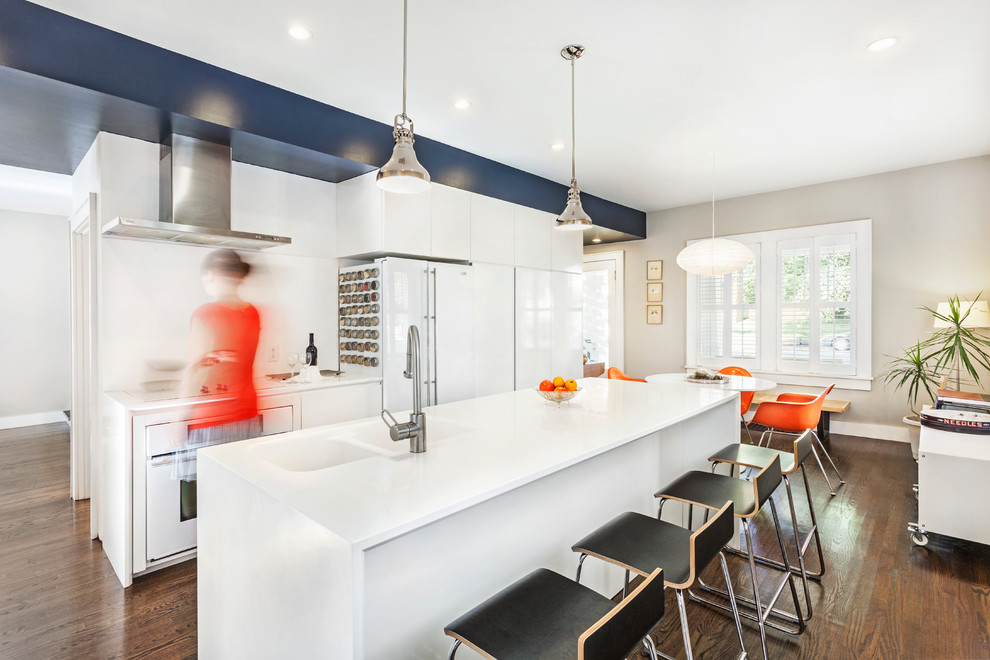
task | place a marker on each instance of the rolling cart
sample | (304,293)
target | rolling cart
(953,474)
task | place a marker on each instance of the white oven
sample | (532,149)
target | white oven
(171,502)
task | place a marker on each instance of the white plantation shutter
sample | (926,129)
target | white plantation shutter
(727,313)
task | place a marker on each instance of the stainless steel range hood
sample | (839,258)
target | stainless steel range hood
(194,185)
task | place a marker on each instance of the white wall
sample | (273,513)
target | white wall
(931,238)
(34,299)
(150,289)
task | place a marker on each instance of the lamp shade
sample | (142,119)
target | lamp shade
(714,256)
(979,315)
(403,172)
(574,218)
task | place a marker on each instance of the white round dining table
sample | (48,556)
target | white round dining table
(739,383)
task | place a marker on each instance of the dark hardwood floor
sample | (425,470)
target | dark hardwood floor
(59,597)
(882,597)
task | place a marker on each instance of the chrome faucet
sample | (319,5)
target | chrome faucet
(415,428)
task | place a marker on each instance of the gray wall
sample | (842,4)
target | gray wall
(34,308)
(931,238)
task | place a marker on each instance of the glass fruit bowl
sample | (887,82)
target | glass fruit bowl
(554,396)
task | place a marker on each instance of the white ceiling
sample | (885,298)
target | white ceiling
(783,90)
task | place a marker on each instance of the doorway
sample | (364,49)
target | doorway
(85,365)
(604,332)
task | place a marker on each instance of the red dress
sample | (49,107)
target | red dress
(228,368)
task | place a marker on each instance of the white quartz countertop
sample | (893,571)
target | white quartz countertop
(476,450)
(157,401)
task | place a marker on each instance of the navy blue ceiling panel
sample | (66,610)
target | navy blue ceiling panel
(62,80)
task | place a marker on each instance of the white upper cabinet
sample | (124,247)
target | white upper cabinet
(492,230)
(567,250)
(371,221)
(451,226)
(532,239)
(406,223)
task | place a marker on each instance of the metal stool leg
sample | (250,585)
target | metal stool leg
(814,452)
(732,602)
(684,624)
(829,458)
(453,649)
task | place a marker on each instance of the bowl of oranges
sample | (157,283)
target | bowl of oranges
(558,390)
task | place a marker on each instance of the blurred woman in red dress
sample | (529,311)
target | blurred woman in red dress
(222,346)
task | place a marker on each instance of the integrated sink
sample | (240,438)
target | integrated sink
(331,446)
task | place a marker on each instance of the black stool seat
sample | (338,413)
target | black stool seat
(641,544)
(755,456)
(712,490)
(540,616)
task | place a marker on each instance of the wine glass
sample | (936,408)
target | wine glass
(293,361)
(304,359)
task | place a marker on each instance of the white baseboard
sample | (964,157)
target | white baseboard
(898,433)
(34,419)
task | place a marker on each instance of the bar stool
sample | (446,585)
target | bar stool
(745,397)
(794,414)
(709,490)
(546,615)
(615,373)
(749,456)
(641,543)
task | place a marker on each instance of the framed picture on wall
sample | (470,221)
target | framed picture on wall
(654,270)
(654,314)
(654,292)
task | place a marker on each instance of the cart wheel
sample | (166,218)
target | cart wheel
(919,538)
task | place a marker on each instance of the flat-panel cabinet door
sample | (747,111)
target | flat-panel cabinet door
(406,223)
(494,329)
(568,313)
(450,233)
(534,327)
(532,229)
(359,216)
(451,353)
(404,292)
(492,230)
(567,250)
(340,404)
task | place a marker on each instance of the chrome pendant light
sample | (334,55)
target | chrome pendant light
(403,172)
(714,256)
(573,217)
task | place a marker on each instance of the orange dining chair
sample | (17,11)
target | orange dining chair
(616,374)
(745,398)
(795,413)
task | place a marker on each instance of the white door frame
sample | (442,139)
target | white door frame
(617,333)
(84,238)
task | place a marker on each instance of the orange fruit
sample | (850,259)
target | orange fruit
(546,386)
(558,381)
(560,389)
(570,384)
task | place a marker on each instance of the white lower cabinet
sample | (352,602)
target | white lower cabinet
(340,404)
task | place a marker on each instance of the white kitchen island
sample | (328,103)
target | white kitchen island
(337,543)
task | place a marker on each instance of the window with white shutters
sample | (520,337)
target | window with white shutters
(801,307)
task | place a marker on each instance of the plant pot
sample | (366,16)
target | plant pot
(914,430)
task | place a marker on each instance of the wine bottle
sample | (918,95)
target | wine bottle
(311,351)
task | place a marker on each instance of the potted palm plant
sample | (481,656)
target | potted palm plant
(952,347)
(915,371)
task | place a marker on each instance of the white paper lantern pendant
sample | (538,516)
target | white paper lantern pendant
(714,256)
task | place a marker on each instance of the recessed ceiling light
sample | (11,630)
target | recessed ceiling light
(557,146)
(300,32)
(462,104)
(882,44)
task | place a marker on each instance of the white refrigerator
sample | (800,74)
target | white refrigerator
(465,317)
